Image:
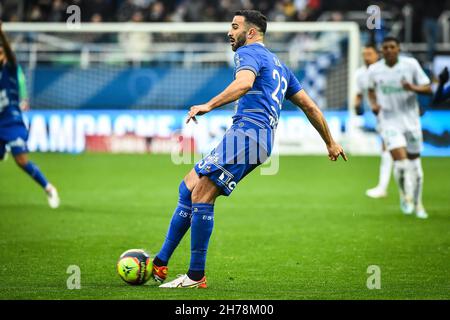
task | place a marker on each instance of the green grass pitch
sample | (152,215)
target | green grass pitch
(308,232)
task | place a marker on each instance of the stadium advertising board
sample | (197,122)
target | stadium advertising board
(157,131)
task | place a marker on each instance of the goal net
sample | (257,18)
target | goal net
(169,66)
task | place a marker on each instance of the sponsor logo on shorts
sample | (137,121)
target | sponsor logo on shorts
(18,143)
(201,164)
(212,158)
(225,179)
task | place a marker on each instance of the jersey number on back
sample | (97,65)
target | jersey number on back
(281,84)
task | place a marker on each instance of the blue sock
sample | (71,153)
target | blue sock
(202,227)
(34,172)
(181,221)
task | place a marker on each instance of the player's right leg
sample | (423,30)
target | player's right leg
(2,150)
(35,173)
(16,139)
(386,164)
(403,178)
(179,225)
(395,140)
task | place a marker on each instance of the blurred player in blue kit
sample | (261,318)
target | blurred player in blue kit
(260,86)
(443,92)
(13,132)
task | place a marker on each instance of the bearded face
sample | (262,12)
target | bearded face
(238,33)
(239,41)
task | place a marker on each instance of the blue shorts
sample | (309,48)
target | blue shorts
(243,148)
(15,136)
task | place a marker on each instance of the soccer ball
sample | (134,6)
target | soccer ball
(134,266)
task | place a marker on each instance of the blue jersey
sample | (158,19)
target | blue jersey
(10,112)
(244,146)
(445,94)
(274,82)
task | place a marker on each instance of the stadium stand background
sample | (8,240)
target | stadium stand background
(160,71)
(399,17)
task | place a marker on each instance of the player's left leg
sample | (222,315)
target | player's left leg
(417,184)
(34,172)
(414,147)
(203,199)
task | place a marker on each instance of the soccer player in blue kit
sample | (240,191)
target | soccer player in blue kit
(261,84)
(13,132)
(443,92)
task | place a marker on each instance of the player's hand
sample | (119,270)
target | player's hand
(443,76)
(197,111)
(334,151)
(24,105)
(422,110)
(376,109)
(359,110)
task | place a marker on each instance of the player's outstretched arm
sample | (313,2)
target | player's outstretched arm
(441,94)
(23,94)
(8,51)
(315,116)
(421,89)
(243,82)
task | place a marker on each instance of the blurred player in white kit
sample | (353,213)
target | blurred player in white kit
(394,83)
(370,56)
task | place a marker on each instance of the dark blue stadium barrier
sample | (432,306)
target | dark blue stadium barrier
(113,88)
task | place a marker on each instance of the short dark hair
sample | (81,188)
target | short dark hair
(254,17)
(391,38)
(371,45)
